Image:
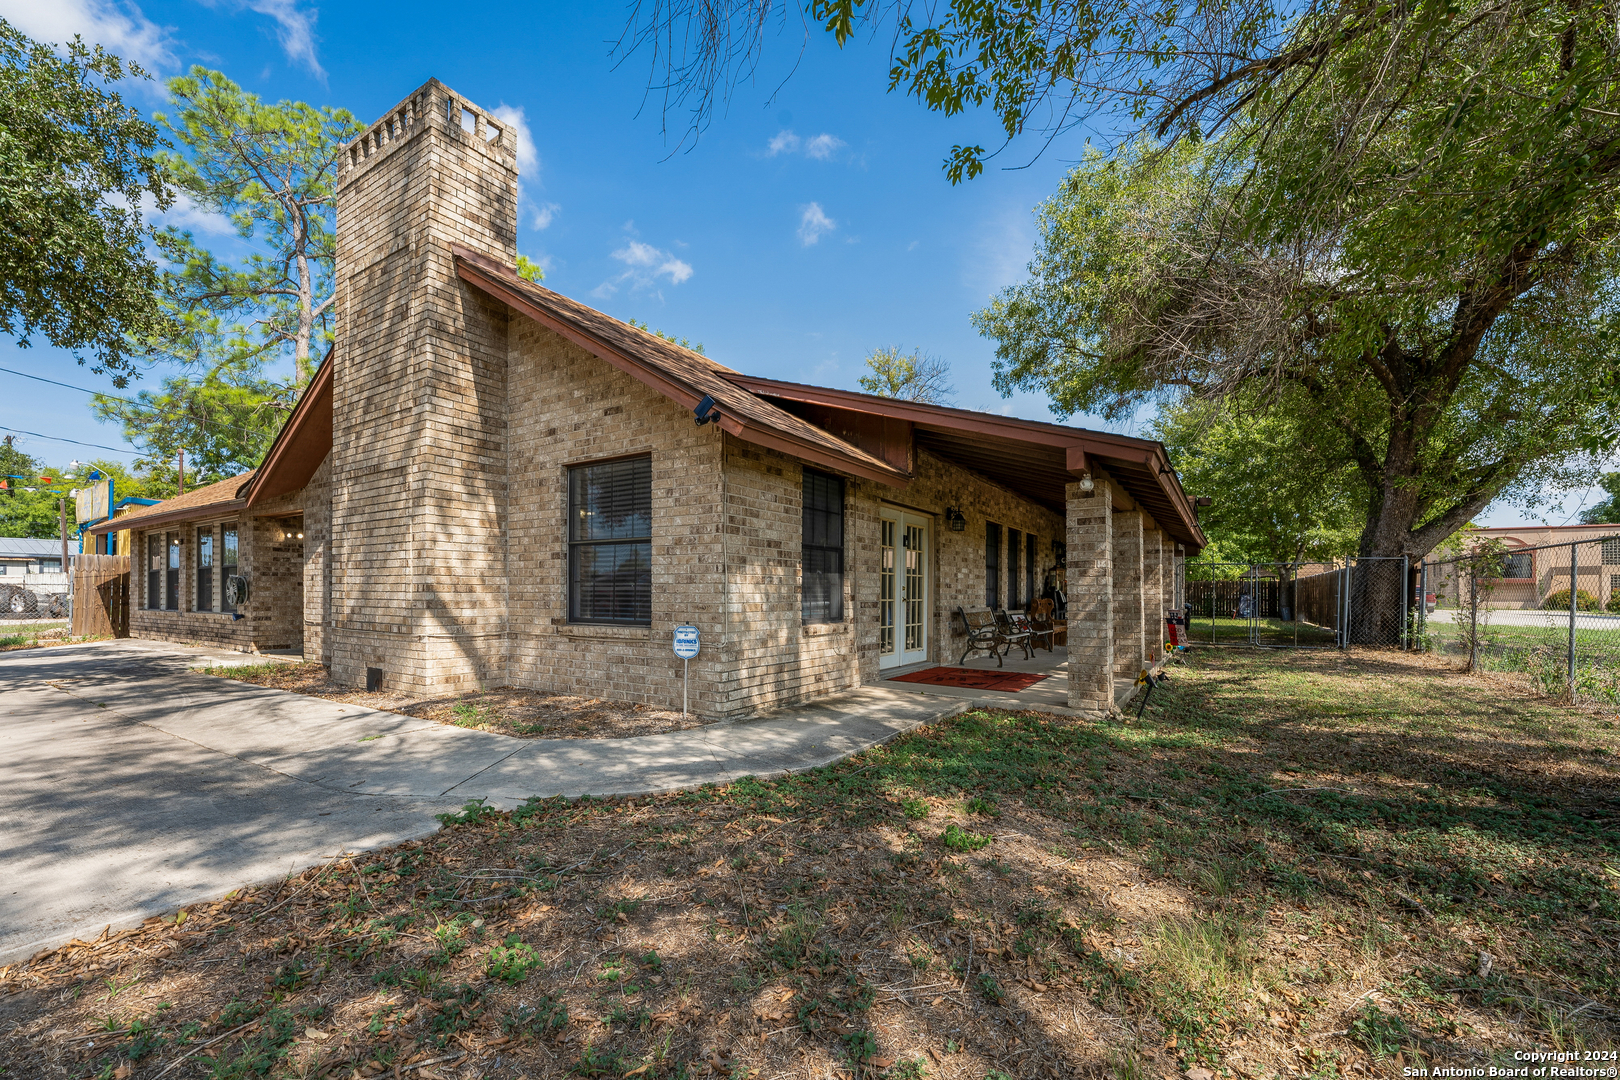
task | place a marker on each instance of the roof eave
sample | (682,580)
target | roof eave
(169,517)
(471,268)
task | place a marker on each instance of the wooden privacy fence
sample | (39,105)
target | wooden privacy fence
(100,596)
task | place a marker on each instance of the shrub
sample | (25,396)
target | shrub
(1559,601)
(915,809)
(1613,606)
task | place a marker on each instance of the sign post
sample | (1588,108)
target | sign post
(686,647)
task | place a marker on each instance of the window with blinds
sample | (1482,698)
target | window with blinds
(610,542)
(822,597)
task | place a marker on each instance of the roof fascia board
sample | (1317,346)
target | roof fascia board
(168,517)
(470,271)
(320,384)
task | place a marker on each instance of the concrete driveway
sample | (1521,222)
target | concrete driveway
(131,785)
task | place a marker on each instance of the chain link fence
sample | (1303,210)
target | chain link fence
(1550,614)
(1253,604)
(33,596)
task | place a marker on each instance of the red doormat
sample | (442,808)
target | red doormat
(974,679)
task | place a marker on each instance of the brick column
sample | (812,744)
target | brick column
(1153,578)
(1130,646)
(1090,586)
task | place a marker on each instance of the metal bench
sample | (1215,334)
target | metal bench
(982,633)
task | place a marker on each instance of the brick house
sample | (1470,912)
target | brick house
(488,483)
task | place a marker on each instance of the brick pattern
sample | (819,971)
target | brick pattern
(419,477)
(1130,649)
(1153,577)
(269,555)
(317,569)
(1091,595)
(570,408)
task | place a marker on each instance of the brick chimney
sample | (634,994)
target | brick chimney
(419,480)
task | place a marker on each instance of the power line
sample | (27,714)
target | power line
(75,442)
(127,401)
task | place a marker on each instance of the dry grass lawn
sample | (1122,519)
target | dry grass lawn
(1293,866)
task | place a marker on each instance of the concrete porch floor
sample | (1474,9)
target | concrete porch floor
(1051,692)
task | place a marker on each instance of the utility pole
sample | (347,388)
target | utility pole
(182,490)
(61,514)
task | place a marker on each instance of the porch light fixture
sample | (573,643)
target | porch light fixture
(1087,484)
(954,518)
(706,411)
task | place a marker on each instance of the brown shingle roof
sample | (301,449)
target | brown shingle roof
(196,503)
(680,374)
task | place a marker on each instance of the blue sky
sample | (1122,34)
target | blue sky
(810,224)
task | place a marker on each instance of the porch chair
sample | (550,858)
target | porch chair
(982,633)
(1015,633)
(1042,627)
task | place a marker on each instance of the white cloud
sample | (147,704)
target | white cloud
(120,27)
(823,146)
(645,266)
(186,214)
(295,27)
(528,162)
(813,222)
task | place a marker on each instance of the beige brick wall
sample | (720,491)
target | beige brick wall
(1091,595)
(419,478)
(1129,639)
(317,499)
(569,408)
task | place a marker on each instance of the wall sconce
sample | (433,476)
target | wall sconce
(954,518)
(1087,484)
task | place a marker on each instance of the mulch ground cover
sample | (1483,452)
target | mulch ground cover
(530,714)
(1291,866)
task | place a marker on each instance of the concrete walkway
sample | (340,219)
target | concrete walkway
(131,785)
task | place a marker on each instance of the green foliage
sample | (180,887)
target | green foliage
(959,839)
(76,164)
(513,960)
(472,811)
(459,1009)
(1281,490)
(1559,601)
(913,376)
(271,170)
(545,1016)
(982,806)
(682,342)
(1176,275)
(24,512)
(1608,511)
(529,270)
(1380,1033)
(915,809)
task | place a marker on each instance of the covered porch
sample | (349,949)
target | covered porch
(979,680)
(1127,527)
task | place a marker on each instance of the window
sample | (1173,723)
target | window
(610,542)
(50,566)
(1012,569)
(1611,553)
(171,594)
(992,565)
(1518,565)
(1029,568)
(205,569)
(227,563)
(821,599)
(154,571)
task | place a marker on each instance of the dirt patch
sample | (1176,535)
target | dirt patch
(529,714)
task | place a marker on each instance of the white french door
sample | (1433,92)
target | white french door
(903,587)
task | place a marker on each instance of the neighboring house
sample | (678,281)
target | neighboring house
(489,483)
(1543,568)
(19,555)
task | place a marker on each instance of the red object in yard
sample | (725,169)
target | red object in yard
(1172,630)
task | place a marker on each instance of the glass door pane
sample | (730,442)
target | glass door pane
(915,591)
(886,584)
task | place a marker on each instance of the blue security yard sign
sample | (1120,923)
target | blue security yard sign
(686,647)
(686,642)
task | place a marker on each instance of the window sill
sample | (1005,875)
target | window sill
(824,629)
(604,632)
